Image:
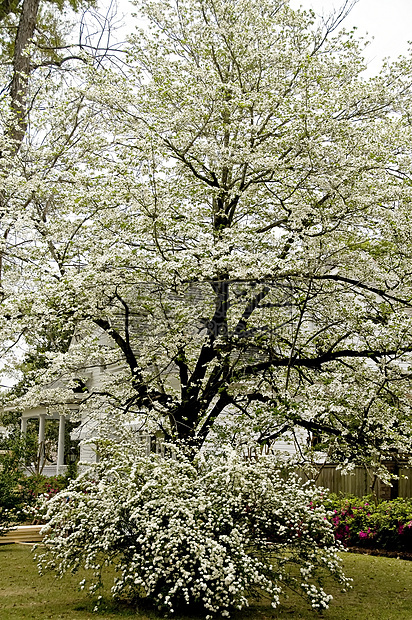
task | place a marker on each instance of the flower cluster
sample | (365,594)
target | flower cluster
(208,534)
(359,522)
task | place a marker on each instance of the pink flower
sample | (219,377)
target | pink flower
(368,534)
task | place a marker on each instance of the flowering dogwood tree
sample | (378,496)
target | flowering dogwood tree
(222,220)
(231,208)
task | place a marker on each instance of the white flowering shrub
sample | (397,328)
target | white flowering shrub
(210,534)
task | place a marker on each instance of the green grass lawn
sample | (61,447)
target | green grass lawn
(382,591)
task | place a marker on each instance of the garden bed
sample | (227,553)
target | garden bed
(383,529)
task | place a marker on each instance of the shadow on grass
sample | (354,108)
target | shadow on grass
(381,592)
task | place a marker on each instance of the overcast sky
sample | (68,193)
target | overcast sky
(388,21)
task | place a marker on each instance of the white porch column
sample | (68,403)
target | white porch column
(42,436)
(24,425)
(60,445)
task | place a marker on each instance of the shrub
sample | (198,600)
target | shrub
(180,534)
(37,484)
(10,499)
(19,494)
(34,490)
(359,522)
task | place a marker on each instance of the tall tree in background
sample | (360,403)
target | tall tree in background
(34,33)
(38,55)
(234,215)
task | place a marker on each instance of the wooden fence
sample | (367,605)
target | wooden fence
(22,534)
(359,482)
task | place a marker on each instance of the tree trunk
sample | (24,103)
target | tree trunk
(21,70)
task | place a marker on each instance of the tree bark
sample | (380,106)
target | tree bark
(21,70)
